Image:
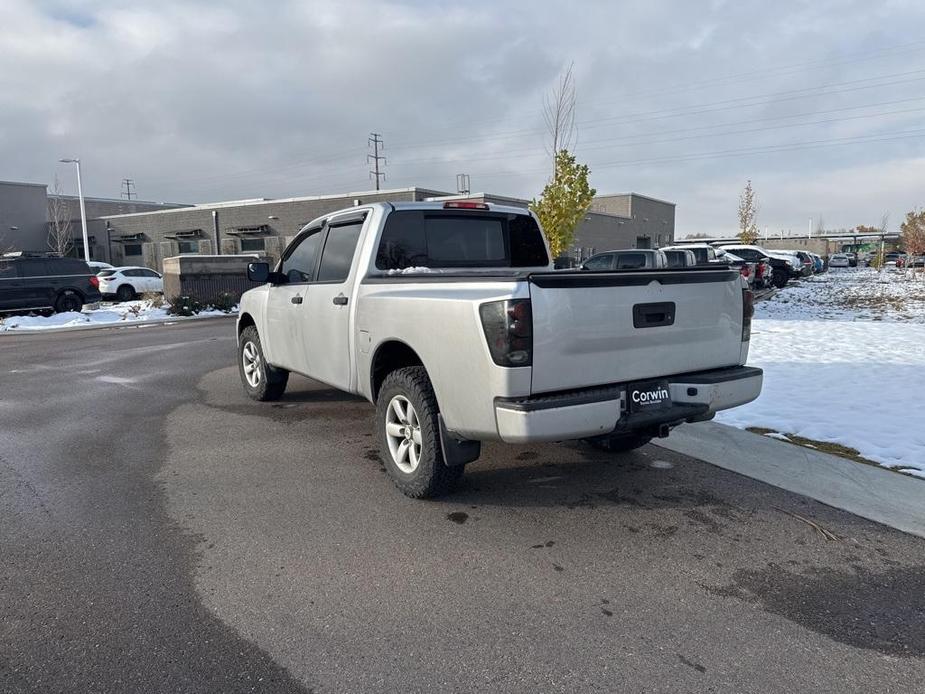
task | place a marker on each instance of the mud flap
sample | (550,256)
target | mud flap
(457,451)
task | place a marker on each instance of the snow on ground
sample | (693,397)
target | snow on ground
(843,355)
(107,314)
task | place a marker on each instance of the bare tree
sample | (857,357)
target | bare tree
(59,223)
(820,226)
(559,115)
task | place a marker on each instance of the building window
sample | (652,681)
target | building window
(132,249)
(188,246)
(253,245)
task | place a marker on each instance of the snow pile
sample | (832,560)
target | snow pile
(844,362)
(125,312)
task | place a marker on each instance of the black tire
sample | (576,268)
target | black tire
(270,382)
(619,444)
(126,292)
(69,301)
(431,477)
(780,280)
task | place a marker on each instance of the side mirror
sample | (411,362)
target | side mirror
(258,272)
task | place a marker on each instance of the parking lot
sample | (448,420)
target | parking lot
(161,532)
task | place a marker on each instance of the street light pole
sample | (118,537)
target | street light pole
(83,210)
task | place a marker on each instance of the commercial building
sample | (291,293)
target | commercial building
(26,209)
(132,232)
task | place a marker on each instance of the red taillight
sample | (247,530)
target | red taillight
(94,281)
(465,205)
(746,271)
(508,327)
(748,310)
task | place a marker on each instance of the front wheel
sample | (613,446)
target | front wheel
(619,444)
(261,381)
(409,435)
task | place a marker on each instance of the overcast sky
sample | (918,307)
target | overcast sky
(820,103)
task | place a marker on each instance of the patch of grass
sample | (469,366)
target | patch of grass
(824,446)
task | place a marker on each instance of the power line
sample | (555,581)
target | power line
(375,139)
(634,141)
(128,188)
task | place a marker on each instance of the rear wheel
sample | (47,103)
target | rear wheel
(619,444)
(125,293)
(409,435)
(69,301)
(261,381)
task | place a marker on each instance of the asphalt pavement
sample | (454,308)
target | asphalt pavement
(159,532)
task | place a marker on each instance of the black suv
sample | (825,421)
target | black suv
(36,281)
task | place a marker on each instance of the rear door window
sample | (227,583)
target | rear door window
(7,270)
(631,261)
(449,239)
(337,256)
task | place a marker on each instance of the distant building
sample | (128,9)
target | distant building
(26,210)
(132,232)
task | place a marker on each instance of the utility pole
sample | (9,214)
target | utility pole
(375,140)
(128,188)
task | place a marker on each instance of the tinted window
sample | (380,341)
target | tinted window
(439,239)
(676,258)
(701,254)
(631,261)
(188,246)
(106,273)
(337,256)
(32,268)
(299,263)
(599,262)
(132,249)
(746,254)
(148,273)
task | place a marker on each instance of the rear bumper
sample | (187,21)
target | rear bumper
(598,411)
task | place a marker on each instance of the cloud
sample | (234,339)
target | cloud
(202,100)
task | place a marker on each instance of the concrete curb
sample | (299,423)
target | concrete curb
(864,490)
(117,325)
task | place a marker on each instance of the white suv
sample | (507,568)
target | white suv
(125,283)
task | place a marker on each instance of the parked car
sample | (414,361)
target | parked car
(852,259)
(839,260)
(387,301)
(806,259)
(786,267)
(703,253)
(37,281)
(755,255)
(818,263)
(678,257)
(125,283)
(628,259)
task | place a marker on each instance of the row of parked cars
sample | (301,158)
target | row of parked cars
(761,268)
(51,284)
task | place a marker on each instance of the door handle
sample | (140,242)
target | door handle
(340,300)
(296,299)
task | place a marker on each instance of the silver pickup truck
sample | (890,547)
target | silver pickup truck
(450,318)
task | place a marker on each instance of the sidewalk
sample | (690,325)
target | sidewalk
(865,490)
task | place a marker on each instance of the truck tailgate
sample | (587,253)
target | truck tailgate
(611,327)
